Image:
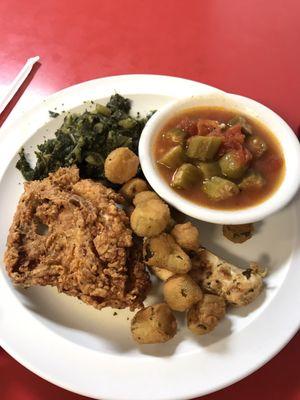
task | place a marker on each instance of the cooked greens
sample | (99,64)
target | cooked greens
(86,139)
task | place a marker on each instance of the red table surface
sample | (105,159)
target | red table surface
(249,47)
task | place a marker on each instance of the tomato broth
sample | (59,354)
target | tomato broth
(269,166)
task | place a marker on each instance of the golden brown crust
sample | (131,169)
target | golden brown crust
(181,292)
(154,324)
(121,165)
(150,218)
(238,233)
(163,252)
(71,234)
(204,316)
(131,188)
(187,236)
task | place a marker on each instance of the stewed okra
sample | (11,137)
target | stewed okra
(219,159)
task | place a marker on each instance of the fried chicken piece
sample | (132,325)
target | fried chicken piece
(71,234)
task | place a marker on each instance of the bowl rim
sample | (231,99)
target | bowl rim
(286,137)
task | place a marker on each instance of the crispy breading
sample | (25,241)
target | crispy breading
(70,233)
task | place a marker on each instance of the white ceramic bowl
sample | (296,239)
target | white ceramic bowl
(242,105)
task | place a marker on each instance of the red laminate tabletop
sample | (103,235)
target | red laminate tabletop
(249,47)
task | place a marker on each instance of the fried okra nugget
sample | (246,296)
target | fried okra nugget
(238,233)
(187,236)
(132,187)
(181,292)
(204,315)
(150,218)
(237,286)
(153,324)
(121,165)
(145,196)
(163,252)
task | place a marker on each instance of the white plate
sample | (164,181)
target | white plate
(91,352)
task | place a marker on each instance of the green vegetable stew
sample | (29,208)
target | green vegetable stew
(219,159)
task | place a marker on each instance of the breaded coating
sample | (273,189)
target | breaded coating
(204,316)
(236,285)
(71,234)
(181,292)
(146,195)
(153,324)
(150,218)
(121,165)
(163,252)
(187,236)
(133,187)
(238,233)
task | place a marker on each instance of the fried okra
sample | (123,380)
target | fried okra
(154,324)
(219,189)
(204,315)
(145,196)
(150,218)
(121,165)
(181,292)
(187,236)
(238,233)
(163,252)
(132,187)
(237,286)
